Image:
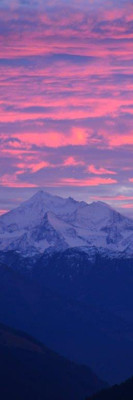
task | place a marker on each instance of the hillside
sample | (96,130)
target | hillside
(117,392)
(29,370)
(77,300)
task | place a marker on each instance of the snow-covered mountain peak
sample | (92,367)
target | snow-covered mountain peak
(99,204)
(31,212)
(50,202)
(49,221)
(42,195)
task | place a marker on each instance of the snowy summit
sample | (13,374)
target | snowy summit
(51,222)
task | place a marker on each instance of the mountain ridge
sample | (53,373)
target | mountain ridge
(124,391)
(46,221)
(66,279)
(31,370)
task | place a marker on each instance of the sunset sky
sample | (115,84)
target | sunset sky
(66,100)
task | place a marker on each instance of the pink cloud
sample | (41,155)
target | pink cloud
(34,167)
(116,139)
(77,136)
(127,205)
(3,211)
(70,161)
(114,198)
(79,80)
(121,140)
(12,181)
(87,182)
(100,171)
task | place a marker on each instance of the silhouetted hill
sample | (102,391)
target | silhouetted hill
(29,370)
(117,392)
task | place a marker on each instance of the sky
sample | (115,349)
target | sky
(66,100)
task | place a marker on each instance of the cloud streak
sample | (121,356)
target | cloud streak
(66,107)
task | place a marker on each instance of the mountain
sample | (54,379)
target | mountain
(117,392)
(29,370)
(47,222)
(76,300)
